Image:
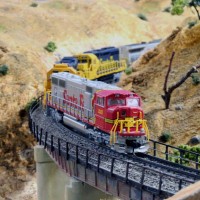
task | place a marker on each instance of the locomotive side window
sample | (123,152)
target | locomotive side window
(114,102)
(55,81)
(61,83)
(133,102)
(100,101)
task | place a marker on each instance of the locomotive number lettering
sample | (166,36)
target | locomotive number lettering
(100,111)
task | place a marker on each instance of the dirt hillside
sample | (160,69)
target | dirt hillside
(75,26)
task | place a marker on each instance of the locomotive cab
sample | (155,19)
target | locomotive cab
(119,113)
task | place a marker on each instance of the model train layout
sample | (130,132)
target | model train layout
(101,127)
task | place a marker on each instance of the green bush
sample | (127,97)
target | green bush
(30,104)
(186,155)
(191,24)
(51,47)
(3,70)
(34,5)
(167,9)
(128,70)
(165,137)
(195,79)
(142,17)
(177,10)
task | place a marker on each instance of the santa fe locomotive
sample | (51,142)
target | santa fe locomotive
(105,113)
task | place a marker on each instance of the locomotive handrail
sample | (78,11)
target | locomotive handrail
(130,122)
(106,67)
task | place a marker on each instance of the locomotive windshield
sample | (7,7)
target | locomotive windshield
(116,102)
(133,102)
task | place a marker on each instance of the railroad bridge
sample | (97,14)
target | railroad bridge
(123,176)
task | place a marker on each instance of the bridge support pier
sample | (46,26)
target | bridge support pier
(79,190)
(53,183)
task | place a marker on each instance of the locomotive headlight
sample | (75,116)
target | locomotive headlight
(142,130)
(124,130)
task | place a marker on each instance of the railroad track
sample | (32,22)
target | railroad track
(151,172)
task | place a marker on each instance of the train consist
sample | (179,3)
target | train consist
(104,113)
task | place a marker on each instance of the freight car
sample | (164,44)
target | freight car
(104,113)
(132,52)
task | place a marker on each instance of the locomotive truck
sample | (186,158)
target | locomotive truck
(104,113)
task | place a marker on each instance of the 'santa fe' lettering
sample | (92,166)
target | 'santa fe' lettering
(72,99)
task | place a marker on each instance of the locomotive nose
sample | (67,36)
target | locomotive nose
(131,112)
(125,112)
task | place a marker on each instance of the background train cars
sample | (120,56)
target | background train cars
(133,51)
(129,52)
(106,63)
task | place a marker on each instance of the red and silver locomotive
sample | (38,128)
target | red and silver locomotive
(106,113)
